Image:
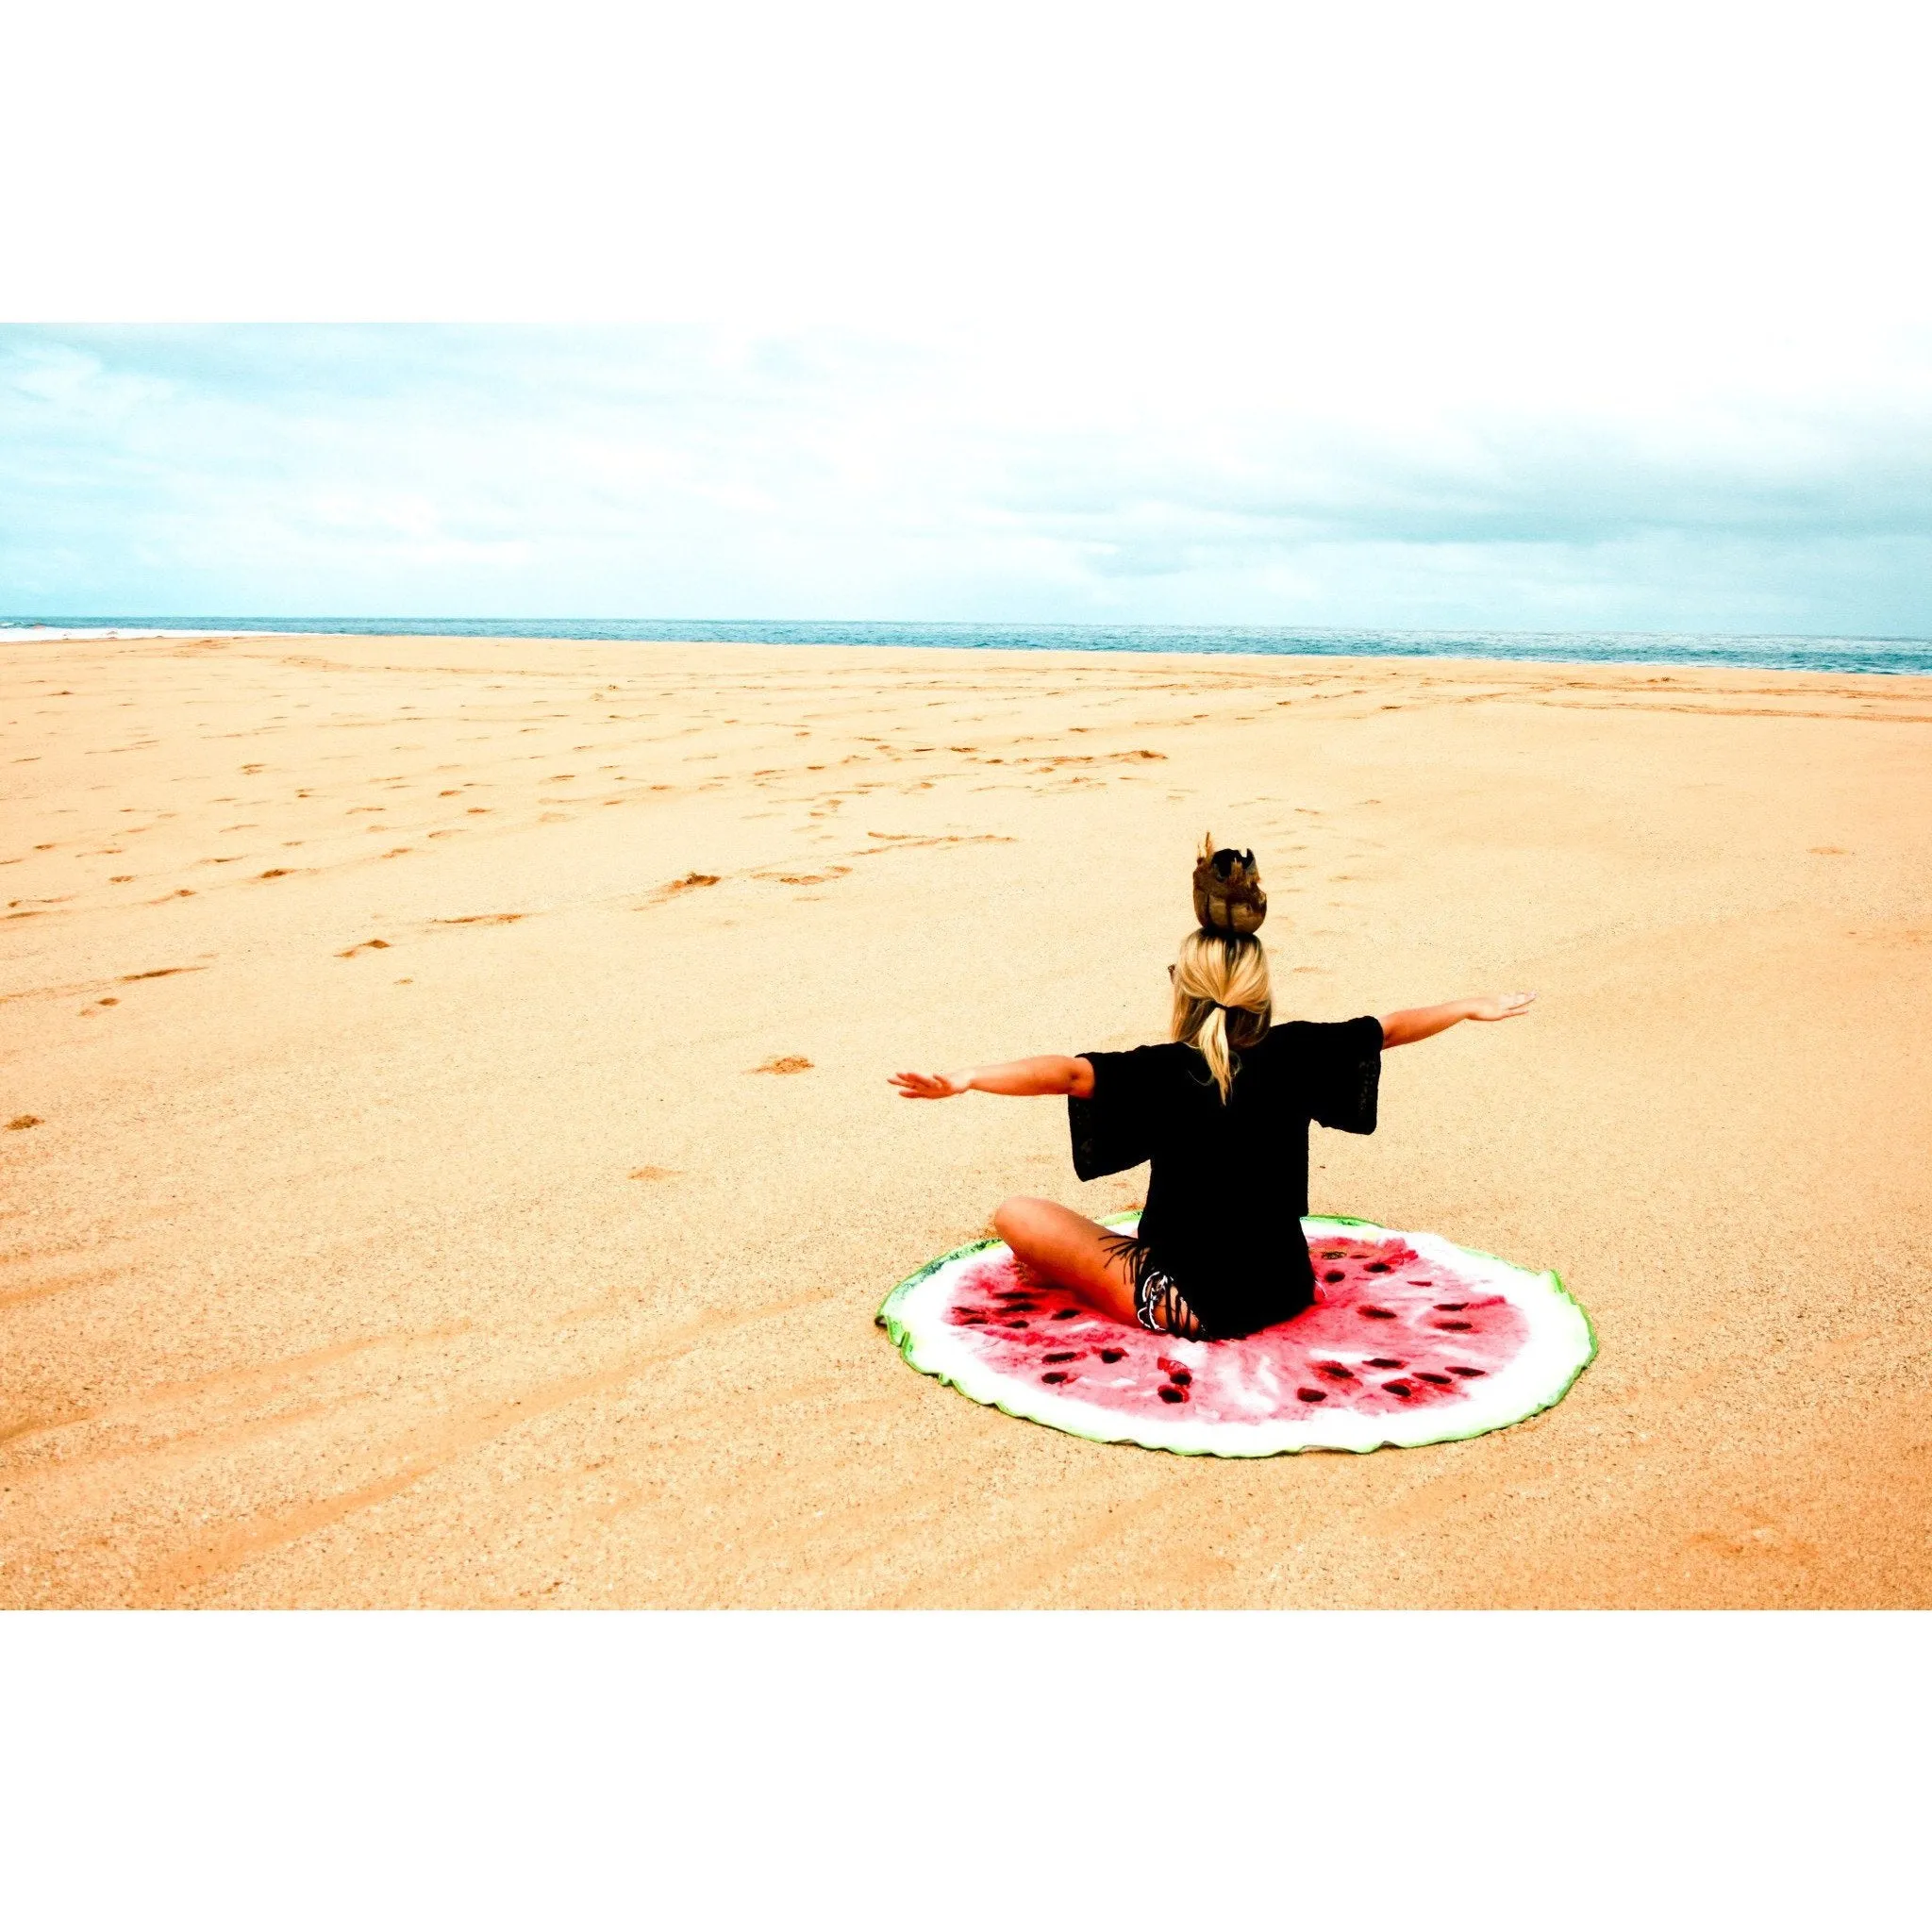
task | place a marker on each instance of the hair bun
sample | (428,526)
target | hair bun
(1228,899)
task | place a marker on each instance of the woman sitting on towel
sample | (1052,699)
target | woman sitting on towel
(1222,1111)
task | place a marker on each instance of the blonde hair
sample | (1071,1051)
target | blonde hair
(1221,1000)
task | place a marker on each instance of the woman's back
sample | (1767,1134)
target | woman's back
(1230,1179)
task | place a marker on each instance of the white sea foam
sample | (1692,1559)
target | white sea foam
(1660,650)
(29,633)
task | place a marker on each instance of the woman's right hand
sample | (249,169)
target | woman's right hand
(1501,1005)
(931,1086)
(1424,1022)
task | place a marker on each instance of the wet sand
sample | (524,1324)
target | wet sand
(462,1172)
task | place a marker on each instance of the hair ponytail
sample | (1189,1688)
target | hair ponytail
(1221,1000)
(1211,1042)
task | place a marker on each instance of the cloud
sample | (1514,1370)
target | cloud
(1329,471)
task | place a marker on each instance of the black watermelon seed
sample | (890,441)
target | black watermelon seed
(1454,1371)
(1383,1361)
(1450,1308)
(1379,1314)
(1111,1354)
(1180,1378)
(1061,1355)
(1400,1389)
(1335,1254)
(1311,1395)
(1019,1325)
(1170,1394)
(1335,1371)
(1057,1375)
(1335,1274)
(1440,1381)
(1379,1268)
(1455,1327)
(1064,1314)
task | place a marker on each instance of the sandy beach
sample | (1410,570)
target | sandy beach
(451,1162)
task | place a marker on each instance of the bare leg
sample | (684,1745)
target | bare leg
(1070,1251)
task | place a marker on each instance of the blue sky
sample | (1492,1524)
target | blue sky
(1496,320)
(673,470)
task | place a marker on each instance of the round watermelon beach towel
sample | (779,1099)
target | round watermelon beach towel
(1412,1340)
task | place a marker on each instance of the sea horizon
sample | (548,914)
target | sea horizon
(1896,656)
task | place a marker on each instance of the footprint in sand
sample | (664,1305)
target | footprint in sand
(653,1173)
(22,1120)
(367,947)
(785,1064)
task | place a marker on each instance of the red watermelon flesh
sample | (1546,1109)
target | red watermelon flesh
(1389,1333)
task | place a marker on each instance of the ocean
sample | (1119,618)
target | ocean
(1896,654)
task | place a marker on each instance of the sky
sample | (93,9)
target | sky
(1416,319)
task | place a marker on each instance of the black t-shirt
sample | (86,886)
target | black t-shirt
(1230,1181)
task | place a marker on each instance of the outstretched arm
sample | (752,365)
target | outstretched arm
(1422,1023)
(1051,1073)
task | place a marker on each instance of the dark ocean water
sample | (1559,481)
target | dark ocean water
(1558,646)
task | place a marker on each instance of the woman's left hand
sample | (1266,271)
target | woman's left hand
(931,1086)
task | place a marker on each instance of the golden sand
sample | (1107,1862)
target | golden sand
(452,1161)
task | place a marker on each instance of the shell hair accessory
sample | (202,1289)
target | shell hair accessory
(1228,899)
